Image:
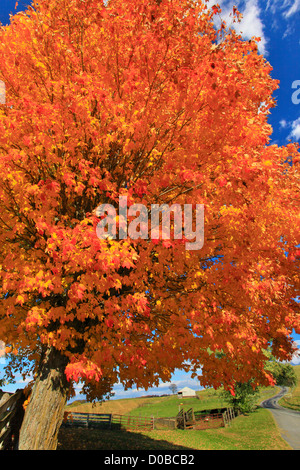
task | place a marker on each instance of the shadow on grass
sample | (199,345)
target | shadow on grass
(97,439)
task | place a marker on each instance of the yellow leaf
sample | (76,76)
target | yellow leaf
(20,299)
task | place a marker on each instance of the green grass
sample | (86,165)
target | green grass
(292,399)
(257,431)
(254,432)
(169,406)
(207,399)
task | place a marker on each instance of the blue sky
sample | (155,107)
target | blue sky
(276,22)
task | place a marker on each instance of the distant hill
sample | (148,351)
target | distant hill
(76,403)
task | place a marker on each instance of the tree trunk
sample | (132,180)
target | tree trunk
(44,413)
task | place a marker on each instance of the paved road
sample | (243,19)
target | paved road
(288,420)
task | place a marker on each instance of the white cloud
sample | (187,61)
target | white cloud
(295,132)
(25,381)
(288,8)
(251,23)
(293,127)
(283,123)
(180,378)
(296,358)
(292,7)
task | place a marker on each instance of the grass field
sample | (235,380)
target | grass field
(124,406)
(257,431)
(167,406)
(292,399)
(254,432)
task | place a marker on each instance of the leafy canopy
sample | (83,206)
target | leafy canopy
(144,99)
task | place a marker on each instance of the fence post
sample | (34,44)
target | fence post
(225,417)
(12,415)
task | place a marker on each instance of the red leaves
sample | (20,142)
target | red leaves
(222,181)
(76,292)
(294,255)
(109,322)
(83,369)
(216,9)
(140,188)
(270,380)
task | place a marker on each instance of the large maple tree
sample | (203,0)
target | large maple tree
(145,99)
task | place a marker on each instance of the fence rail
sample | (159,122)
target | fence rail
(205,419)
(229,415)
(107,421)
(164,423)
(132,422)
(11,416)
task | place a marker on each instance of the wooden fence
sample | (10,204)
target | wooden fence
(108,421)
(132,422)
(204,419)
(11,416)
(229,415)
(184,420)
(164,423)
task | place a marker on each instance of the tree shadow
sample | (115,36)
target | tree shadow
(98,439)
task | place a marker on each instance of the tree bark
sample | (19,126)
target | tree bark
(44,413)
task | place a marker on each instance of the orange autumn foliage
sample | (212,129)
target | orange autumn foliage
(143,99)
